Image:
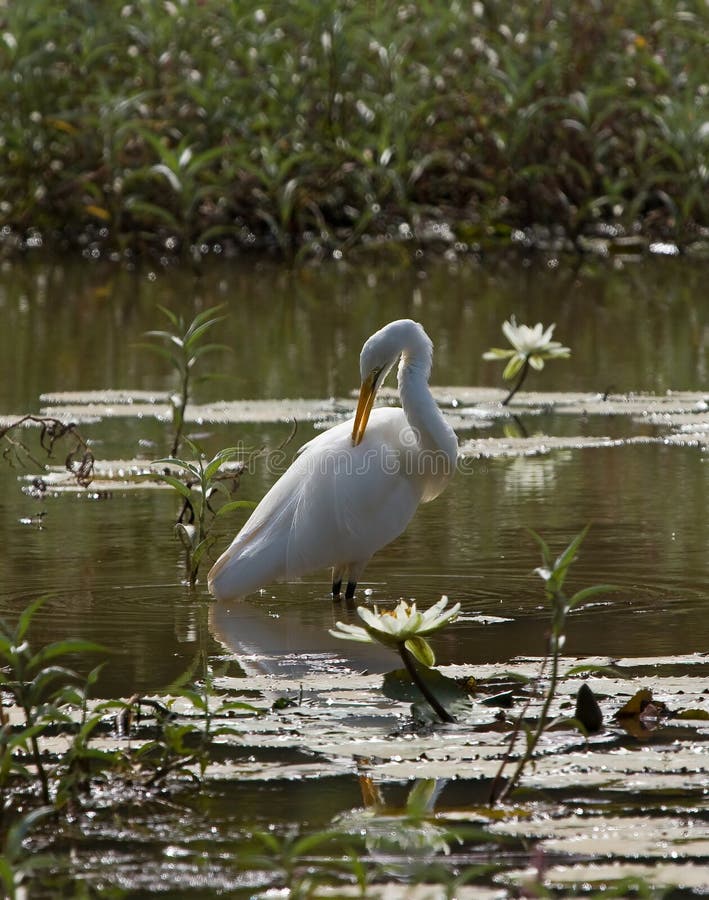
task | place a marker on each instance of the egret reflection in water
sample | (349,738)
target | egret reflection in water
(270,638)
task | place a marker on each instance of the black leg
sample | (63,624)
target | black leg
(351,588)
(336,589)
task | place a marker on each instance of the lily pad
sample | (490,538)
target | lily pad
(398,686)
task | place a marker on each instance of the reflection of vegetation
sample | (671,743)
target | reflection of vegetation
(553,572)
(407,833)
(369,846)
(319,124)
(301,863)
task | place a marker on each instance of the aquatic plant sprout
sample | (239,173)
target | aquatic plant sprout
(531,347)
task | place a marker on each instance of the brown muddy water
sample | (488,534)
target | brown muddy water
(111,564)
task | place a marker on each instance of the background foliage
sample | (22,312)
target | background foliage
(157,124)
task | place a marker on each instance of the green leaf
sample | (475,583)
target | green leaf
(175,483)
(5,643)
(43,679)
(398,686)
(198,452)
(546,552)
(593,669)
(569,555)
(585,593)
(239,705)
(421,795)
(701,715)
(62,648)
(22,738)
(160,351)
(311,842)
(7,876)
(223,456)
(235,504)
(200,550)
(18,832)
(180,463)
(495,353)
(270,841)
(560,722)
(200,160)
(152,211)
(513,367)
(166,155)
(421,650)
(170,315)
(93,675)
(203,316)
(165,335)
(197,700)
(26,617)
(211,348)
(196,334)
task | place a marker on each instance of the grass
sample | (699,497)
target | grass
(313,127)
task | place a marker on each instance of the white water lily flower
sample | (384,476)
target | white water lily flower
(402,625)
(531,345)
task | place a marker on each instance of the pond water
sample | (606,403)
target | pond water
(114,571)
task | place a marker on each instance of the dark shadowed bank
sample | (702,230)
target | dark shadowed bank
(312,128)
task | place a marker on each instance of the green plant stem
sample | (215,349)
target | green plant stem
(36,755)
(408,661)
(178,415)
(24,701)
(541,724)
(518,384)
(44,781)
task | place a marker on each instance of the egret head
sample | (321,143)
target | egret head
(378,357)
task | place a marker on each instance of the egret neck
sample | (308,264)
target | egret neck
(435,439)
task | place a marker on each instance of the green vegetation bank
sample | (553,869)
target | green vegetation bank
(312,127)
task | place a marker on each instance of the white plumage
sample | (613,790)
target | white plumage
(354,488)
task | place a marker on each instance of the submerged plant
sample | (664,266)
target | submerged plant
(553,572)
(530,348)
(183,347)
(405,630)
(202,480)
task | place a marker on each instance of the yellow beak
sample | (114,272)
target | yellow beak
(367,393)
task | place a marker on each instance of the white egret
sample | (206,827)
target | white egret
(354,488)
